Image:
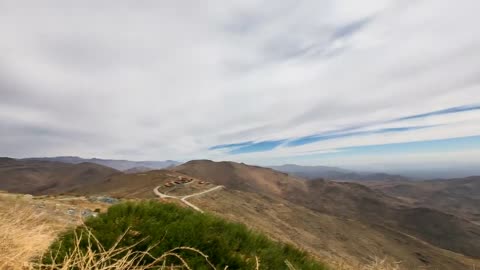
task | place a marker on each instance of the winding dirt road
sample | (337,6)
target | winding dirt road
(184,198)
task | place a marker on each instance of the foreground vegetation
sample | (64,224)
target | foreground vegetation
(26,232)
(165,234)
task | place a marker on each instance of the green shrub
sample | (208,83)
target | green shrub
(160,227)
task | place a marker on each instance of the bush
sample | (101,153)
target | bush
(158,228)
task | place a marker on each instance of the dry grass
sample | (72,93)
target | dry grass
(24,233)
(374,263)
(27,232)
(97,257)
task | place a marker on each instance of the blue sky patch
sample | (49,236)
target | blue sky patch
(257,147)
(232,145)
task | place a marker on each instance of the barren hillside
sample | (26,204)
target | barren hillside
(459,197)
(48,177)
(346,200)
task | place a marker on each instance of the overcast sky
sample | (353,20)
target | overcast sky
(264,82)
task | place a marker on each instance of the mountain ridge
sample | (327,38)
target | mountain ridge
(335,173)
(49,177)
(118,164)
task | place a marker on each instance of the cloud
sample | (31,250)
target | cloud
(359,130)
(257,147)
(233,145)
(218,80)
(465,108)
(332,136)
(350,28)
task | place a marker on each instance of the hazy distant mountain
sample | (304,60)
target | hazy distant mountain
(121,165)
(446,172)
(334,173)
(49,177)
(138,170)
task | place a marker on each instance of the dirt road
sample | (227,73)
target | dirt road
(184,198)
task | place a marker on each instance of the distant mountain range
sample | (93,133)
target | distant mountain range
(334,173)
(121,165)
(49,177)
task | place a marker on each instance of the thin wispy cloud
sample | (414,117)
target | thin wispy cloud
(346,132)
(332,136)
(253,81)
(452,110)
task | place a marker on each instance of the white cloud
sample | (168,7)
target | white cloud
(155,80)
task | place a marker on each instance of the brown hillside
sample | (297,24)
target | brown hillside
(330,219)
(346,200)
(332,239)
(328,237)
(243,177)
(47,177)
(137,185)
(459,197)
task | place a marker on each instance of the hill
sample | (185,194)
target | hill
(121,165)
(138,169)
(460,196)
(48,177)
(243,177)
(342,242)
(334,173)
(346,200)
(136,185)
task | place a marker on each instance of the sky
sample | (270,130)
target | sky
(378,84)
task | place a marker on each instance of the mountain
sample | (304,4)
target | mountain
(346,200)
(49,177)
(139,169)
(339,241)
(243,177)
(334,173)
(130,186)
(459,196)
(348,221)
(121,165)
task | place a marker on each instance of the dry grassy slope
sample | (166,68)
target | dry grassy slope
(455,196)
(346,200)
(47,177)
(28,225)
(339,241)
